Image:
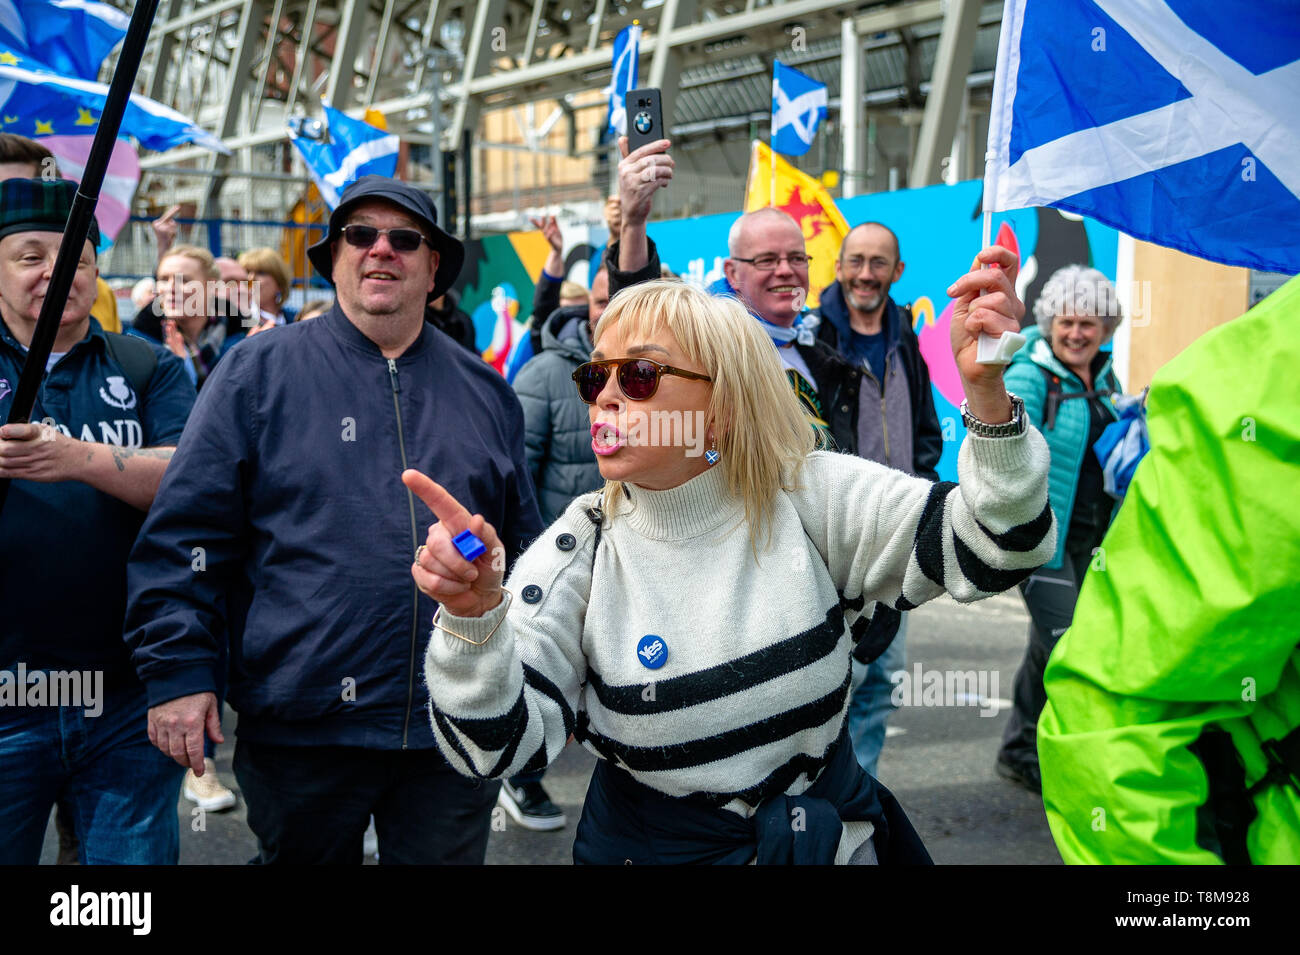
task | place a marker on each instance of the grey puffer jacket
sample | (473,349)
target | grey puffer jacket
(557,429)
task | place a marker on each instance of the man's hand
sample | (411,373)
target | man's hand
(465,589)
(640,175)
(172,337)
(614,216)
(986,301)
(176,727)
(37,452)
(164,230)
(550,230)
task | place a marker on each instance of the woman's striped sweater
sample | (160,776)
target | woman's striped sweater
(755,686)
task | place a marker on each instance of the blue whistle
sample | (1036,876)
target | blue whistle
(470,547)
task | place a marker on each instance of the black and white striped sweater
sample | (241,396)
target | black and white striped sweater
(755,685)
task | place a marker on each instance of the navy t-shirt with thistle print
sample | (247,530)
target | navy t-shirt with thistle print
(64,545)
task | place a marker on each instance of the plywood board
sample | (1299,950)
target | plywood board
(1176,298)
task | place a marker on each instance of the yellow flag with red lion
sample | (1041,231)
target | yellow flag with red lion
(774,182)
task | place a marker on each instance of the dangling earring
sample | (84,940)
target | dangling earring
(711,455)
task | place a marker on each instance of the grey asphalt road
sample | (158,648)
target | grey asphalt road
(938,761)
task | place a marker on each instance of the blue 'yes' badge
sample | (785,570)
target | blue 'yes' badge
(652,651)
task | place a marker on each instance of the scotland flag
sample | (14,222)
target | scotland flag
(355,149)
(71,37)
(627,51)
(798,105)
(1172,120)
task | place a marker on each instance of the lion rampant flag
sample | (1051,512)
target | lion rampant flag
(774,182)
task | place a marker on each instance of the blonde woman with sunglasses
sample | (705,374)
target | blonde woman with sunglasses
(692,624)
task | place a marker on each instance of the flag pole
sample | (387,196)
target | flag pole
(80,218)
(772,177)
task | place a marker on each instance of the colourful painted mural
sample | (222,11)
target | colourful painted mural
(939,230)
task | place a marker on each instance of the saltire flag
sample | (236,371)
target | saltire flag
(1172,120)
(71,37)
(118,189)
(37,101)
(627,53)
(808,203)
(798,105)
(355,149)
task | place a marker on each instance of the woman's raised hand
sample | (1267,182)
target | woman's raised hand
(985,301)
(465,588)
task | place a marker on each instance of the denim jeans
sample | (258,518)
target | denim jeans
(871,705)
(120,789)
(311,805)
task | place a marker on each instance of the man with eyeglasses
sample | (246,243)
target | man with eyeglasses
(895,422)
(767,269)
(284,528)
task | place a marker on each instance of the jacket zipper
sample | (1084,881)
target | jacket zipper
(415,536)
(884,417)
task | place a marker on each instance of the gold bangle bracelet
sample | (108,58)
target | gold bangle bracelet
(477,643)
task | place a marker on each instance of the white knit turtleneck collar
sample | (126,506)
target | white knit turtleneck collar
(700,505)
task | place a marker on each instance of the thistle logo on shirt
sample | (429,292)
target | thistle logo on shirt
(119,393)
(5,388)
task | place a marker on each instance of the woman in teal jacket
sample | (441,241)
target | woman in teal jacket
(1067,384)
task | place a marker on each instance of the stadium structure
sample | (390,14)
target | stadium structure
(501,107)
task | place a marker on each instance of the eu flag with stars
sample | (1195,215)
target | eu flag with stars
(1172,120)
(36,101)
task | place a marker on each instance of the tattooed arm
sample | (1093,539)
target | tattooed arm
(34,452)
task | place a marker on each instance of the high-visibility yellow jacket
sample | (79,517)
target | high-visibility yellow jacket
(1181,671)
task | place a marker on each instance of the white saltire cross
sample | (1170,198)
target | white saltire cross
(1229,105)
(791,112)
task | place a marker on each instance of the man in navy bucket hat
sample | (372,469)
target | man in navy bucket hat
(289,480)
(417,204)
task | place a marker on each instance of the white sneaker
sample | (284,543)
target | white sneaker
(370,842)
(530,806)
(206,790)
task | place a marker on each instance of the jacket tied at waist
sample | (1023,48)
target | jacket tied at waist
(625,821)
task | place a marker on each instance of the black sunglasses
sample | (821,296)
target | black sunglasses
(638,378)
(402,240)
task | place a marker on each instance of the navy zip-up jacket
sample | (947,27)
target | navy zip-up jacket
(64,545)
(282,521)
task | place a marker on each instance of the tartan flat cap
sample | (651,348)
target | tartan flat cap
(39,205)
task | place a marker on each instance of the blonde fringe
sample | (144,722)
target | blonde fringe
(764,434)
